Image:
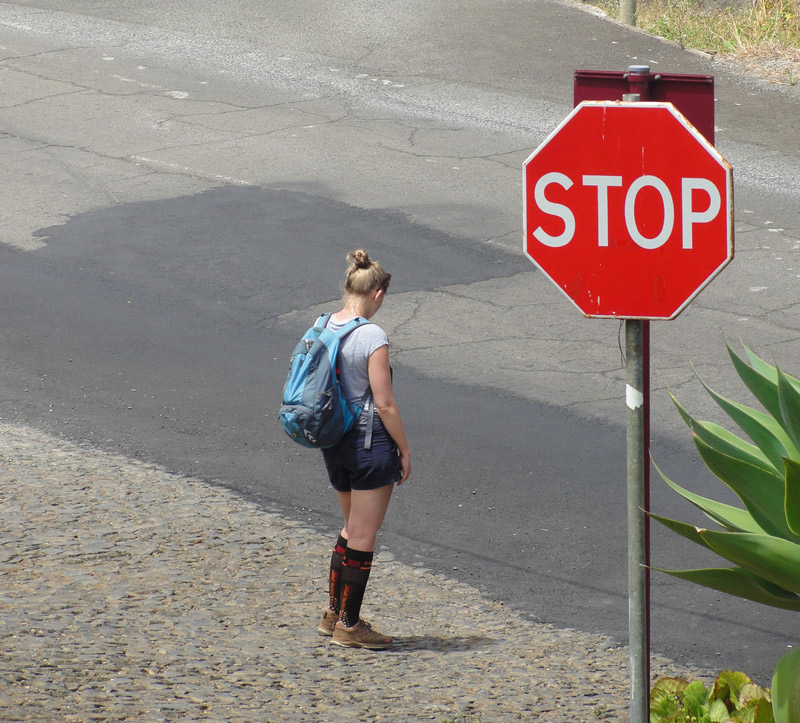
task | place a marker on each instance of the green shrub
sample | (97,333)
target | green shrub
(761,538)
(733,697)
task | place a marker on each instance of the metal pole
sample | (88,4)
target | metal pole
(639,78)
(635,393)
(646,470)
(627,12)
(637,398)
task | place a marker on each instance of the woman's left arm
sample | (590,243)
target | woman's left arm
(380,381)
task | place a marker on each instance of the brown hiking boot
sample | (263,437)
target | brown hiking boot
(329,619)
(361,635)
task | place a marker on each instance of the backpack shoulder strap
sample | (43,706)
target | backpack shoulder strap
(351,326)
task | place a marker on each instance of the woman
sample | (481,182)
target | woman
(363,478)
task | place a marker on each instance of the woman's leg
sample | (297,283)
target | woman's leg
(331,614)
(367,509)
(367,512)
(344,503)
(364,512)
(335,576)
(337,557)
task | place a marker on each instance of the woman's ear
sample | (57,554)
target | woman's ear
(379,293)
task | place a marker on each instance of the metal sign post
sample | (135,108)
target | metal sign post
(615,256)
(627,12)
(637,400)
(637,393)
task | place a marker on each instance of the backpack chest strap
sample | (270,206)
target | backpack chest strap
(369,408)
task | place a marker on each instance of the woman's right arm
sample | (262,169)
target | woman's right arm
(380,381)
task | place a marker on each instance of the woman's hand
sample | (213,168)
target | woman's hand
(405,465)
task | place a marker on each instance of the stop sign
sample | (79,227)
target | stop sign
(628,209)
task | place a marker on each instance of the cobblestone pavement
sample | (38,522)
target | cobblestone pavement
(131,594)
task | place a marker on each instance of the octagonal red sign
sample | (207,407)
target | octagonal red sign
(628,210)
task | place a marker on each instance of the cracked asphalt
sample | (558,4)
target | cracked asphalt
(152,148)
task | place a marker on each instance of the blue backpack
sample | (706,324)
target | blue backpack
(314,412)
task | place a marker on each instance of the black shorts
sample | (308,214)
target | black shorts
(351,467)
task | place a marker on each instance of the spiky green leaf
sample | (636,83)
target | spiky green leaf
(766,432)
(690,532)
(792,498)
(724,440)
(786,689)
(738,582)
(763,384)
(761,492)
(727,442)
(733,519)
(762,367)
(768,370)
(775,559)
(789,402)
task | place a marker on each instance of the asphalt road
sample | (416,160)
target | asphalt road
(183,181)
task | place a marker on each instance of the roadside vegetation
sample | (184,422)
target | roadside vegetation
(761,539)
(763,36)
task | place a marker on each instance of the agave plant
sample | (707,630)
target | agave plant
(761,538)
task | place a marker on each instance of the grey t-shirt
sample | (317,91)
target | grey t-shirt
(354,353)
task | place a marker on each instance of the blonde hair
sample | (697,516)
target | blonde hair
(364,275)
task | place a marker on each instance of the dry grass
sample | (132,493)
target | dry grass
(781,65)
(762,36)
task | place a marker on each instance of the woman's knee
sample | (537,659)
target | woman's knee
(361,538)
(367,511)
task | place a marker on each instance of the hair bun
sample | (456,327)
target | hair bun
(364,275)
(360,259)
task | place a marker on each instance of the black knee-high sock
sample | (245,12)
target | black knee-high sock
(335,578)
(355,573)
